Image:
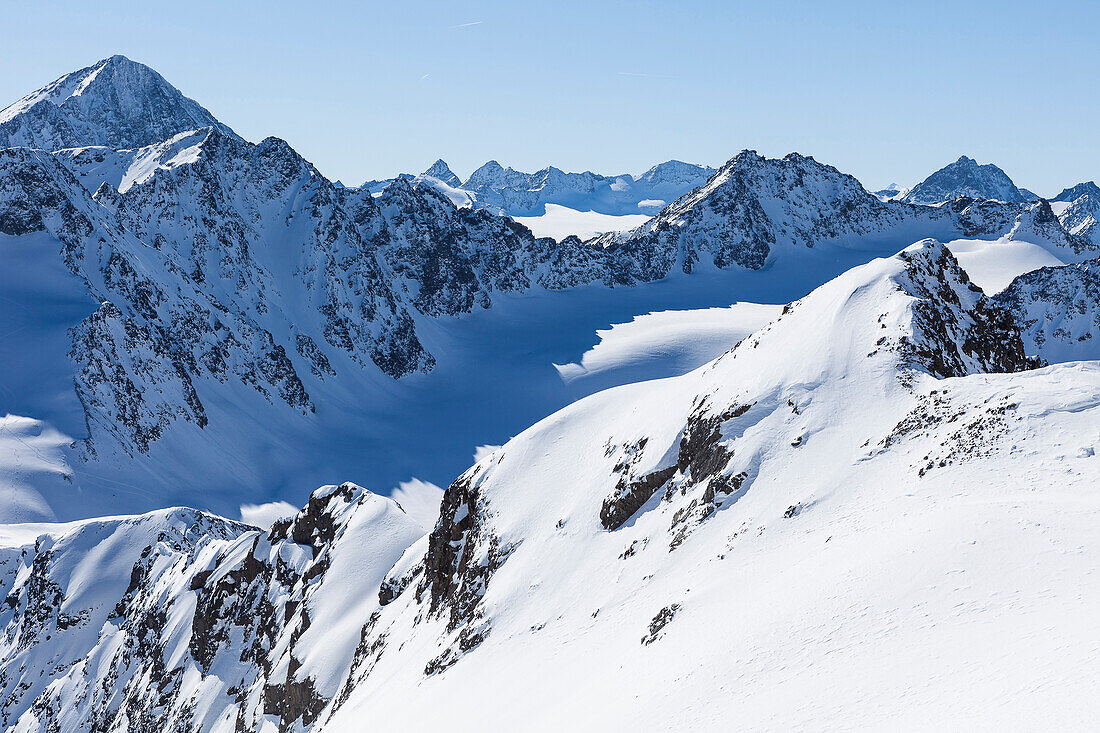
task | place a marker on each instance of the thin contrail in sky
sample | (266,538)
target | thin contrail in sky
(467,25)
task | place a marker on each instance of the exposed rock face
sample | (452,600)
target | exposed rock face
(115,102)
(553,545)
(51,616)
(966,178)
(1081,189)
(752,207)
(206,302)
(1081,216)
(1058,309)
(244,219)
(959,330)
(199,622)
(449,261)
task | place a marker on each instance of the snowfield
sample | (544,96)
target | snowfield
(785,455)
(993,265)
(665,343)
(560,222)
(894,554)
(870,514)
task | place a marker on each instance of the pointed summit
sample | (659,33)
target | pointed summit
(965,177)
(441,171)
(489,174)
(115,102)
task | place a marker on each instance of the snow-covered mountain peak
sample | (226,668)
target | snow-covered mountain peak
(116,103)
(891,192)
(526,194)
(751,206)
(1081,217)
(441,171)
(965,177)
(489,174)
(916,310)
(675,172)
(1081,189)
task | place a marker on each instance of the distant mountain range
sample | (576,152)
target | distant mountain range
(514,193)
(807,528)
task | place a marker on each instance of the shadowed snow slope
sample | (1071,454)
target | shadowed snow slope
(212,322)
(842,523)
(664,344)
(845,522)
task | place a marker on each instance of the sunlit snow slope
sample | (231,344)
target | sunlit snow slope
(870,514)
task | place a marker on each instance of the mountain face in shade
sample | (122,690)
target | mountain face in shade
(116,102)
(829,481)
(966,178)
(1076,192)
(179,292)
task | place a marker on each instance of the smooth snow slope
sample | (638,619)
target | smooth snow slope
(993,264)
(560,222)
(496,374)
(664,344)
(863,517)
(862,545)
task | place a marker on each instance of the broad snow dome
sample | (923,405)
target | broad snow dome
(115,102)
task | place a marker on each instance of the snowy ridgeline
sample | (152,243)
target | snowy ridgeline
(825,506)
(844,522)
(204,285)
(555,201)
(216,324)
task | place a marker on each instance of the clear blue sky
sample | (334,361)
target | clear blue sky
(887,90)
